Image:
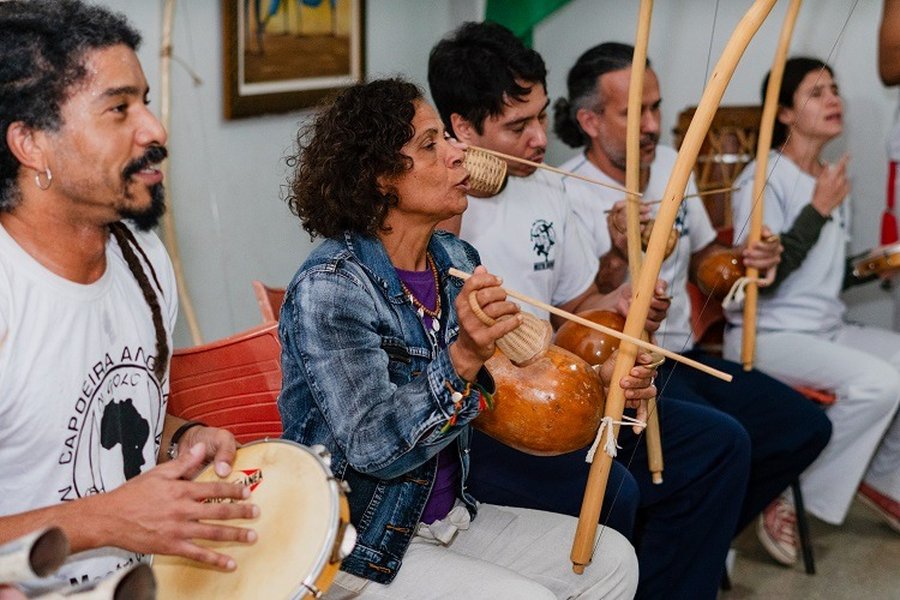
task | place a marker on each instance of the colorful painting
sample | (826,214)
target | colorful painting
(282,55)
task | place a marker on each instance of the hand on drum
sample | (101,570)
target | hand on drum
(616,222)
(160,512)
(659,305)
(475,343)
(764,254)
(220,446)
(637,385)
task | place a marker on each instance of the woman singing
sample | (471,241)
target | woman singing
(383,364)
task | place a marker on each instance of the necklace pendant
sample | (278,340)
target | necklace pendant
(436,323)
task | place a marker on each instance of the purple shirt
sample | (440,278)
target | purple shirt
(446,481)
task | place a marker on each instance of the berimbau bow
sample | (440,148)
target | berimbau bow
(632,206)
(764,144)
(168,220)
(582,547)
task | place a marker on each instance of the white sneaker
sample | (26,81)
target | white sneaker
(776,530)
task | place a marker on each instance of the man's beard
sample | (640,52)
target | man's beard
(147,218)
(618,160)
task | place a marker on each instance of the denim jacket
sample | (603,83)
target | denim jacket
(361,378)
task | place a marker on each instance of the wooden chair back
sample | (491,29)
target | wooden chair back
(729,146)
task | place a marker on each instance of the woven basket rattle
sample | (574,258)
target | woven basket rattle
(524,344)
(670,243)
(487,173)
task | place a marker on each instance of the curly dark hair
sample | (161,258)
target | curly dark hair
(795,70)
(354,140)
(476,68)
(43,45)
(583,89)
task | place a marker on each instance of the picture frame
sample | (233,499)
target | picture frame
(285,55)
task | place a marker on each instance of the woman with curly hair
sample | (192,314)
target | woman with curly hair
(383,365)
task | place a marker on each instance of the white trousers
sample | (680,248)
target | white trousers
(506,554)
(861,366)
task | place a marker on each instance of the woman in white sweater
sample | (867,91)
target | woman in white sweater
(803,337)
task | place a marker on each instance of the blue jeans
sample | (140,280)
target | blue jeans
(682,528)
(551,483)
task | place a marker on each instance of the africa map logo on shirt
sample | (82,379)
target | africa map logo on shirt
(111,432)
(543,238)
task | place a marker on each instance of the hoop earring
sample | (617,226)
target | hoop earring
(37,179)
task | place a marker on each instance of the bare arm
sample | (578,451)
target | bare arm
(586,300)
(157,512)
(612,270)
(619,300)
(889,43)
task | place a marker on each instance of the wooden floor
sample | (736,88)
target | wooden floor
(858,560)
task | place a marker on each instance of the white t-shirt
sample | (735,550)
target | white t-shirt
(80,406)
(808,300)
(695,232)
(529,235)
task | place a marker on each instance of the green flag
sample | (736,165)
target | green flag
(520,16)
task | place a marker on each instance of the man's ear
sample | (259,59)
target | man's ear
(24,143)
(463,129)
(587,120)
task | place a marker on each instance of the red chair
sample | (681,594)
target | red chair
(269,300)
(707,321)
(231,383)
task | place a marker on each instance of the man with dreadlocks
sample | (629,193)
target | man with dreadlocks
(87,305)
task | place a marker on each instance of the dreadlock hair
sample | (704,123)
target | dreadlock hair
(584,90)
(477,69)
(795,69)
(44,44)
(127,243)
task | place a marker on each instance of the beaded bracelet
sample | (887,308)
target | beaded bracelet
(485,401)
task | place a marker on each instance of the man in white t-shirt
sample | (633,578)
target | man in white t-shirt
(87,307)
(491,92)
(787,431)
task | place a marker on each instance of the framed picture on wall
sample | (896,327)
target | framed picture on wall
(283,55)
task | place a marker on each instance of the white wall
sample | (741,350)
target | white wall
(226,175)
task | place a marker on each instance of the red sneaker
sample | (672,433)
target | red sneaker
(886,507)
(776,531)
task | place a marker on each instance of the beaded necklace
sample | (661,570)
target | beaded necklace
(422,311)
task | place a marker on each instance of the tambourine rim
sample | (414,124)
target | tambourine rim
(871,263)
(308,585)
